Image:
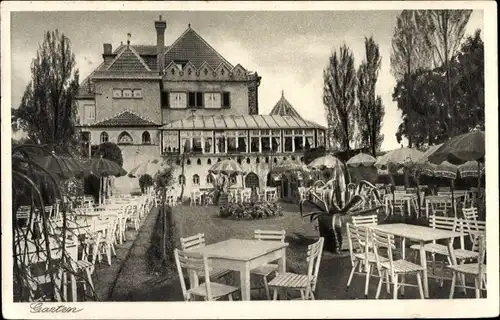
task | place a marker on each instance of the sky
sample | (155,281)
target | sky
(289,49)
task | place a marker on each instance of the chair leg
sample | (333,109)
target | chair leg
(268,294)
(395,284)
(275,294)
(352,274)
(387,282)
(230,297)
(453,281)
(420,288)
(302,295)
(477,286)
(380,284)
(367,279)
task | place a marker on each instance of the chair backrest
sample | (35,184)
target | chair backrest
(365,220)
(358,240)
(444,189)
(192,261)
(191,242)
(475,229)
(443,223)
(382,240)
(314,253)
(272,235)
(470,214)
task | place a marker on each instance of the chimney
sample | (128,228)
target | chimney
(160,27)
(107,54)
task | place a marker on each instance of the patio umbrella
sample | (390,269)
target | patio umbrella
(324,162)
(397,158)
(289,165)
(361,167)
(63,167)
(361,159)
(149,167)
(460,149)
(457,150)
(228,167)
(104,168)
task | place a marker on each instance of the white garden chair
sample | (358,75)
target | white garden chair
(306,284)
(265,270)
(388,267)
(208,290)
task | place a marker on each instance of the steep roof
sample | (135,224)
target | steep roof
(128,60)
(124,119)
(284,108)
(190,46)
(243,122)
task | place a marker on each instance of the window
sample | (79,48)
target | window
(165,99)
(197,145)
(208,148)
(220,142)
(198,162)
(232,141)
(181,180)
(117,93)
(89,112)
(276,140)
(170,141)
(137,93)
(321,138)
(226,99)
(195,99)
(209,161)
(197,141)
(210,179)
(212,100)
(309,139)
(177,100)
(265,140)
(127,93)
(232,179)
(188,162)
(104,137)
(196,179)
(146,138)
(288,147)
(125,138)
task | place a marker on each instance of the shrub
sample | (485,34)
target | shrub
(251,210)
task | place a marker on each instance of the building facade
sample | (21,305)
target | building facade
(189,105)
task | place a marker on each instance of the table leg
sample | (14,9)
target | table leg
(73,288)
(408,204)
(423,262)
(282,268)
(245,282)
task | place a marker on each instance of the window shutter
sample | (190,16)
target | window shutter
(199,99)
(226,100)
(191,99)
(165,99)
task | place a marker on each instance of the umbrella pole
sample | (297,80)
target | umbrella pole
(452,187)
(478,182)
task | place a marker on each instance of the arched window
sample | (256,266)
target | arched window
(293,158)
(196,179)
(219,160)
(232,179)
(146,138)
(302,159)
(257,160)
(188,162)
(252,180)
(181,180)
(248,160)
(178,162)
(125,138)
(239,160)
(198,162)
(275,160)
(267,159)
(210,178)
(209,161)
(104,137)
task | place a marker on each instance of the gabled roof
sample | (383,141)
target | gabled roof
(243,122)
(284,108)
(128,60)
(190,46)
(124,119)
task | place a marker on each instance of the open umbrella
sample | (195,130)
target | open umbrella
(101,167)
(149,167)
(226,167)
(457,150)
(324,162)
(361,159)
(361,167)
(397,158)
(289,165)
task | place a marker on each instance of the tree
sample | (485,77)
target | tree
(48,109)
(445,31)
(408,54)
(110,151)
(371,111)
(339,98)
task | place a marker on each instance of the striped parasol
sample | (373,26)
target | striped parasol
(103,167)
(397,158)
(149,167)
(228,167)
(324,162)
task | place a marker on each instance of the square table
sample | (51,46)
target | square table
(243,256)
(422,235)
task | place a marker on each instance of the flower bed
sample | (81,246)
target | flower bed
(251,210)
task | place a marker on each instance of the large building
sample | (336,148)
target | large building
(186,99)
